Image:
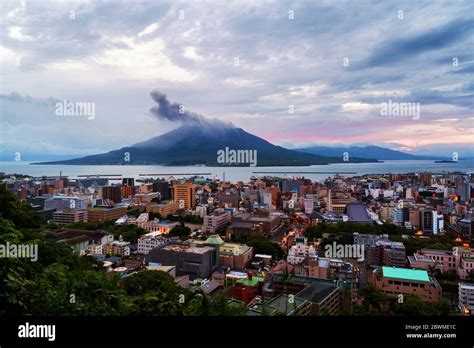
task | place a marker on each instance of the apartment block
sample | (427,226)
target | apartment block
(69,216)
(216,220)
(102,214)
(395,281)
(163,208)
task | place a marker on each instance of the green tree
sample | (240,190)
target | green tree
(180,231)
(262,245)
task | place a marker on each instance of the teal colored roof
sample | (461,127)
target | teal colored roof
(405,274)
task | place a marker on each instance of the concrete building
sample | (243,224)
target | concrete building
(323,268)
(445,258)
(357,212)
(185,195)
(324,298)
(69,216)
(235,256)
(196,261)
(102,214)
(247,288)
(113,193)
(150,241)
(282,304)
(419,261)
(117,248)
(381,251)
(163,208)
(466,298)
(300,251)
(216,220)
(395,281)
(145,198)
(247,225)
(82,240)
(64,202)
(228,199)
(164,227)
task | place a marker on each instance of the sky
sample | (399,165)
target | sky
(296,73)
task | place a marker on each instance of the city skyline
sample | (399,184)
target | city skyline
(312,73)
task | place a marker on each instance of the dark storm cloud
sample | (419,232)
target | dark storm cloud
(398,50)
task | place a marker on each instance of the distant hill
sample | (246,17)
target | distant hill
(375,152)
(196,144)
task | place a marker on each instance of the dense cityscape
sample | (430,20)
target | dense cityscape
(394,244)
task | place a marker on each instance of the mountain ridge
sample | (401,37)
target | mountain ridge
(369,151)
(197,144)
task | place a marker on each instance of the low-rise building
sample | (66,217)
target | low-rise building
(163,208)
(164,227)
(324,298)
(83,241)
(395,281)
(69,216)
(117,247)
(150,241)
(247,288)
(300,251)
(282,304)
(103,214)
(216,220)
(194,260)
(235,255)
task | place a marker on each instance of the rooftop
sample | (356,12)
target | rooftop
(188,249)
(406,274)
(214,239)
(250,282)
(161,223)
(317,292)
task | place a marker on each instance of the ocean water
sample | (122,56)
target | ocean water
(234,174)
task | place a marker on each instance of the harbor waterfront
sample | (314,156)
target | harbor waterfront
(234,174)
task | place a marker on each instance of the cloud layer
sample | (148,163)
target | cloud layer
(294,73)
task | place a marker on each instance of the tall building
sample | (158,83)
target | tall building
(185,194)
(113,193)
(163,187)
(431,221)
(130,182)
